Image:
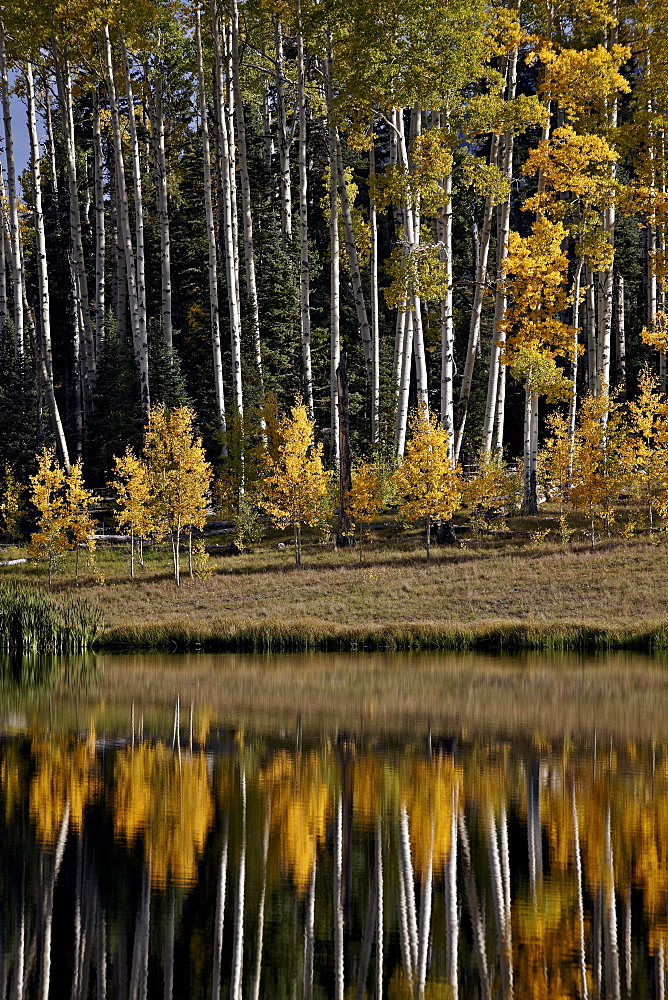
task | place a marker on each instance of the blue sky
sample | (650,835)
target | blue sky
(20,134)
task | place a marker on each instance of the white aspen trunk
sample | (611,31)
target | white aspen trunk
(375,328)
(581,919)
(409,885)
(404,386)
(101,970)
(413,230)
(45,978)
(493,404)
(404,936)
(572,408)
(52,146)
(367,941)
(229,242)
(534,830)
(338,903)
(140,256)
(500,409)
(249,251)
(309,935)
(592,361)
(20,953)
(162,206)
(477,924)
(220,915)
(425,918)
(238,946)
(214,308)
(452,909)
(499,898)
(621,335)
(613,983)
(139,339)
(266,124)
(81,304)
(480,278)
(3,263)
(100,236)
(334,292)
(353,261)
(284,137)
(379,910)
(304,305)
(533,470)
(628,943)
(14,229)
(145,932)
(44,320)
(397,361)
(232,148)
(448,327)
(526,455)
(257,973)
(607,278)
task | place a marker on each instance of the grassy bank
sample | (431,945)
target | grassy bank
(306,636)
(495,595)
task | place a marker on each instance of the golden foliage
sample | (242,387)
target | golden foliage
(168,803)
(300,804)
(426,480)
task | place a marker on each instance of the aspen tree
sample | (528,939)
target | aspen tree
(137,193)
(297,482)
(334,290)
(137,316)
(48,493)
(211,241)
(80,524)
(366,497)
(249,246)
(229,216)
(15,235)
(44,324)
(178,473)
(84,341)
(304,289)
(284,133)
(100,233)
(162,201)
(598,471)
(646,449)
(11,504)
(426,479)
(133,492)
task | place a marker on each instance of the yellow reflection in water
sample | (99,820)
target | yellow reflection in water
(168,802)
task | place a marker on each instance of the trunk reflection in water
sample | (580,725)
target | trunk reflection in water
(259,864)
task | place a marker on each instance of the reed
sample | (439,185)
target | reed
(244,636)
(35,622)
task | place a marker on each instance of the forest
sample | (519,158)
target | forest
(417,247)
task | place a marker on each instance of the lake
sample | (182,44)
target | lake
(330,826)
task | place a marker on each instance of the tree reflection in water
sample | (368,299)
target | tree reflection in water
(262,867)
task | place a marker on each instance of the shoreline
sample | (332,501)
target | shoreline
(248,636)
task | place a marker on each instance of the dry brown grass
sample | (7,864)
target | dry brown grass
(622,584)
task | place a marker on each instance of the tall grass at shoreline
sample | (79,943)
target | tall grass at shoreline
(308,636)
(35,622)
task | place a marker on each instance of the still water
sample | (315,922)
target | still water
(337,826)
